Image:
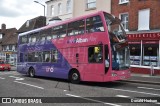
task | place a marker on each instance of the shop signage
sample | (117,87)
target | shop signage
(144,36)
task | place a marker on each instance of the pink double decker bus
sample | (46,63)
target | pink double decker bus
(92,47)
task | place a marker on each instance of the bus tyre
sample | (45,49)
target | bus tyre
(74,77)
(32,72)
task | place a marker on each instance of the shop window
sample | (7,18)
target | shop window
(150,55)
(135,54)
(94,24)
(95,54)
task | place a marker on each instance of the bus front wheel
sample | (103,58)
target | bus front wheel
(74,77)
(32,72)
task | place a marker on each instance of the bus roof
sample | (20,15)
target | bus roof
(62,22)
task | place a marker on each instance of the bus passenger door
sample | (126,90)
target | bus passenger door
(95,67)
(21,64)
(107,59)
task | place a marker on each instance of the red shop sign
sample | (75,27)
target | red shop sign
(144,36)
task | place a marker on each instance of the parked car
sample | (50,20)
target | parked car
(4,66)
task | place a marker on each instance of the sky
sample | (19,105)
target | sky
(14,13)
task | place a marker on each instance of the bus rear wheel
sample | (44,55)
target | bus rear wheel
(32,72)
(74,77)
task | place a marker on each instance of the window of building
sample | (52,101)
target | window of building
(10,47)
(124,19)
(94,24)
(52,10)
(60,8)
(46,56)
(91,4)
(95,54)
(7,48)
(143,23)
(69,7)
(54,56)
(76,28)
(123,1)
(13,48)
(27,23)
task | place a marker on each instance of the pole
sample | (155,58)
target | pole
(44,10)
(42,5)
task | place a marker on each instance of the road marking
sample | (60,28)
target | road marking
(157,103)
(123,96)
(135,91)
(64,90)
(17,78)
(2,78)
(92,100)
(73,95)
(29,85)
(14,77)
(148,88)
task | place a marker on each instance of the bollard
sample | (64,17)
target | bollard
(152,70)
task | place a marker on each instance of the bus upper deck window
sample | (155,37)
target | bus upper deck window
(94,24)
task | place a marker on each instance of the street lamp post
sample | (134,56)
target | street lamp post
(42,5)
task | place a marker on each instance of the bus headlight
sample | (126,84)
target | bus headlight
(114,74)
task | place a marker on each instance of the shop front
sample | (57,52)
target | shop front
(9,57)
(145,52)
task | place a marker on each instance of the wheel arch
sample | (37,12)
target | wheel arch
(72,70)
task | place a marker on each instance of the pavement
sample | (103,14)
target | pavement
(13,68)
(135,78)
(144,79)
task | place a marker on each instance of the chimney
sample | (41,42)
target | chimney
(3,27)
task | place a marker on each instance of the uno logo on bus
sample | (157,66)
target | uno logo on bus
(78,40)
(49,69)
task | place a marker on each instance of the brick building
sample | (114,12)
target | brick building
(140,19)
